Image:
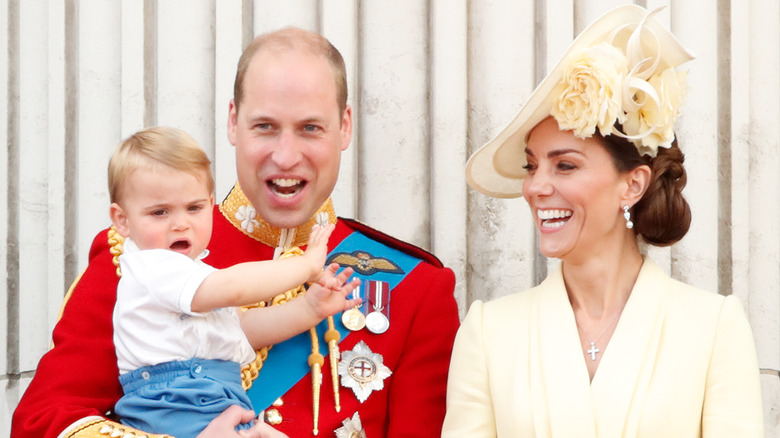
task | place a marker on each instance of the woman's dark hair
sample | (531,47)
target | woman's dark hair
(662,217)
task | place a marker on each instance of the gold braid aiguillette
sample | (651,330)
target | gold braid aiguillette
(250,371)
(315,362)
(332,337)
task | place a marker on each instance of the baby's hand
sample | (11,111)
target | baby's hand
(328,295)
(317,249)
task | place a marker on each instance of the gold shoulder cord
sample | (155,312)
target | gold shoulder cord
(117,244)
(250,371)
(101,427)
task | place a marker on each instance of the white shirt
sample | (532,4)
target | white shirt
(153,320)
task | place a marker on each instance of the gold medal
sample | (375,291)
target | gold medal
(353,319)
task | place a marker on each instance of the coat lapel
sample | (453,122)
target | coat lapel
(625,370)
(563,406)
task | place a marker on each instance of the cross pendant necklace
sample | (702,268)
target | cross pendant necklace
(593,350)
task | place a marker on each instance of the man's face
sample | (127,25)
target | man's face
(288,135)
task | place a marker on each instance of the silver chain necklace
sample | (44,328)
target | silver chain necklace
(593,350)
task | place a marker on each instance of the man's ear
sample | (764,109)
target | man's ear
(346,128)
(232,122)
(637,182)
(119,219)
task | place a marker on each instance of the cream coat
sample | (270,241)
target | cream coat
(681,363)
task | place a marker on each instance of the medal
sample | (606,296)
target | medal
(377,321)
(353,318)
(362,371)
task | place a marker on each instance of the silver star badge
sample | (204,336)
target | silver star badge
(362,371)
(352,428)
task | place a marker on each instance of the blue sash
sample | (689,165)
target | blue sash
(287,362)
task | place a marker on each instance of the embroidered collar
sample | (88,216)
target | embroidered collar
(238,210)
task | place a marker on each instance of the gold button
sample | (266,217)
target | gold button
(273,417)
(278,402)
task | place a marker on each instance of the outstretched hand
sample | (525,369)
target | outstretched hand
(317,249)
(328,295)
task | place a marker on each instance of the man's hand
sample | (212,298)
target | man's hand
(262,430)
(225,426)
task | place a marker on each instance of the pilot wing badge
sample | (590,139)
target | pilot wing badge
(364,263)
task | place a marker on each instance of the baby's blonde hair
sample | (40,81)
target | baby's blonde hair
(151,147)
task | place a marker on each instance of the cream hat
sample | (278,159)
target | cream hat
(620,69)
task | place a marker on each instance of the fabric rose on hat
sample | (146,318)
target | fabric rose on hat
(592,95)
(654,121)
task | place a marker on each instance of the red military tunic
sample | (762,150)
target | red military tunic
(76,383)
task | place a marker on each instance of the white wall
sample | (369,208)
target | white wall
(430,81)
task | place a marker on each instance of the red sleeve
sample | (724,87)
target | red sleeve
(79,376)
(417,392)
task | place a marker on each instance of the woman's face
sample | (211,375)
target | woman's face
(574,191)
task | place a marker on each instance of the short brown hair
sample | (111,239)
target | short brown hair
(156,146)
(293,38)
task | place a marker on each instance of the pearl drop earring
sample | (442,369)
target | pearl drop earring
(627,217)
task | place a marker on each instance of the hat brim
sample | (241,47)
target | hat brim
(497,169)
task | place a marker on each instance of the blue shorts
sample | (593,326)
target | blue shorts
(180,398)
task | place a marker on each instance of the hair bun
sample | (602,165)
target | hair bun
(663,216)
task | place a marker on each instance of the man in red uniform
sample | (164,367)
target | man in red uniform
(289,122)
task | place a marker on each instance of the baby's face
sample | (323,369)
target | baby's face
(164,208)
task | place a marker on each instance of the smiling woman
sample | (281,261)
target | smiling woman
(596,349)
(573,187)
